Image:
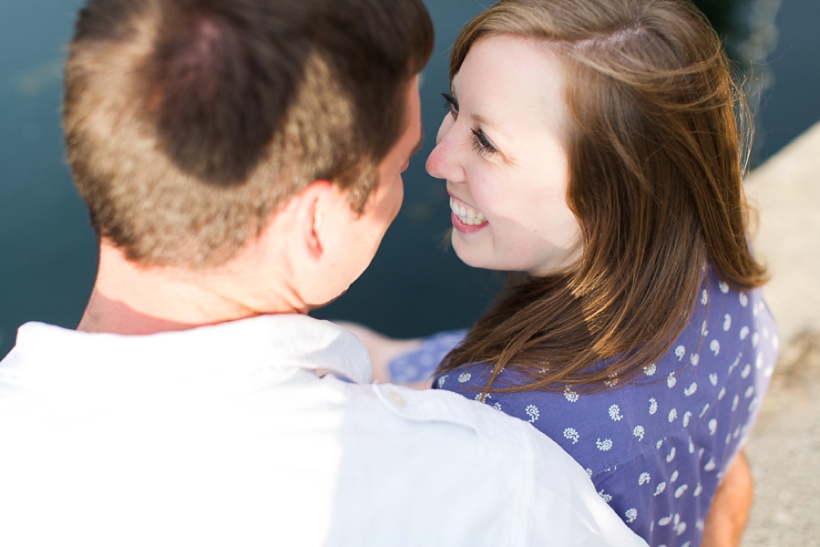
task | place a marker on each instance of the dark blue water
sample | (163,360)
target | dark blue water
(792,104)
(416,284)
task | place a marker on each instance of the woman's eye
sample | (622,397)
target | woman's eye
(480,141)
(450,104)
(482,144)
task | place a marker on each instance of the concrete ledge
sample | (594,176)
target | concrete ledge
(784,446)
(786,193)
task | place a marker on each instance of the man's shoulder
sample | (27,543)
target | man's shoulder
(442,431)
(429,454)
(451,408)
(358,462)
(432,419)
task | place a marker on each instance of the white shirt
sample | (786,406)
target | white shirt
(226,435)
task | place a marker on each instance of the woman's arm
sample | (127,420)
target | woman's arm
(730,507)
(409,362)
(381,348)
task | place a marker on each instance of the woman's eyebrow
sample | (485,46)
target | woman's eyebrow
(477,118)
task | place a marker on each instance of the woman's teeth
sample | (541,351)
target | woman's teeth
(467,215)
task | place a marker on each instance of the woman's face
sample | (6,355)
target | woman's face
(501,152)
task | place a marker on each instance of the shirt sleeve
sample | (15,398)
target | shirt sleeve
(569,497)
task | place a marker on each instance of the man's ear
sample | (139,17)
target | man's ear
(302,248)
(314,213)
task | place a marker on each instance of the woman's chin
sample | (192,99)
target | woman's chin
(470,255)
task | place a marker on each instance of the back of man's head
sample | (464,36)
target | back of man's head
(188,122)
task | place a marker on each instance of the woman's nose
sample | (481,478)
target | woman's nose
(443,162)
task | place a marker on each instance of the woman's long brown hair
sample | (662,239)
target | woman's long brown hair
(657,148)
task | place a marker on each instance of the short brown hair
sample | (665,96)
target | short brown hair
(656,164)
(188,122)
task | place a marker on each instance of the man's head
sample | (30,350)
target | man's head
(189,123)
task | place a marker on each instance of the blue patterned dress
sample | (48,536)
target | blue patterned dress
(655,448)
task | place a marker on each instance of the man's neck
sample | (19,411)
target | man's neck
(130,299)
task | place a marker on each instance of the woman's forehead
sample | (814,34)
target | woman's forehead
(509,82)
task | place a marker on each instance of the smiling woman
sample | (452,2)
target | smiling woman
(593,146)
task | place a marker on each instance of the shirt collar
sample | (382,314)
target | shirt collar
(278,343)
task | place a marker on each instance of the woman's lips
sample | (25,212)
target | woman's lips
(466,219)
(465,228)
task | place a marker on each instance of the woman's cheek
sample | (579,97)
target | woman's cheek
(491,195)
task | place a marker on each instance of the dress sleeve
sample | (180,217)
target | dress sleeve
(650,492)
(420,364)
